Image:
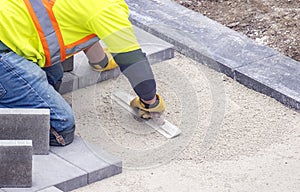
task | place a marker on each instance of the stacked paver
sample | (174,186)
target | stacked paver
(15,163)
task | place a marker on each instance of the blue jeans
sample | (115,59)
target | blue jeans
(23,84)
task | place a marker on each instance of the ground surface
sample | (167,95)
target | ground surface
(234,139)
(275,23)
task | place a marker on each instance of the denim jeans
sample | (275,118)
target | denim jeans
(23,84)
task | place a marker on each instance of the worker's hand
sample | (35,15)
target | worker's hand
(145,111)
(110,65)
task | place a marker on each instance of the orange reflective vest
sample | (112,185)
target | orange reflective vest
(49,33)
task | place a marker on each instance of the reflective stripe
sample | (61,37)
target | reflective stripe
(78,46)
(51,38)
(56,29)
(46,31)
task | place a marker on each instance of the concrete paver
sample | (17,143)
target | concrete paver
(88,158)
(273,76)
(50,170)
(27,124)
(15,163)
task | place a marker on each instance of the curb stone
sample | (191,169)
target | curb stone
(220,48)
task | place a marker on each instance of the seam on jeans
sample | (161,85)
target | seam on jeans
(2,91)
(5,54)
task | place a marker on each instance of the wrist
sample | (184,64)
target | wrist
(150,103)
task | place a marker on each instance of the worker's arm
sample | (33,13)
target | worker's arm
(135,66)
(112,26)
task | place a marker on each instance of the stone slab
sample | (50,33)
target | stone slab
(86,76)
(50,170)
(96,162)
(68,64)
(15,163)
(276,76)
(69,83)
(156,50)
(26,124)
(51,189)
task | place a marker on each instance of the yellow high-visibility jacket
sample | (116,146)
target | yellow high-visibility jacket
(77,21)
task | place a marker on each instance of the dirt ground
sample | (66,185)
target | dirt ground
(233,138)
(275,23)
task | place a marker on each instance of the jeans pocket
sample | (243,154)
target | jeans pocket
(2,91)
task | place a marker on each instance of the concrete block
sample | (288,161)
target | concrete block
(197,36)
(69,83)
(51,189)
(50,170)
(156,50)
(276,76)
(68,64)
(26,124)
(86,76)
(96,162)
(15,163)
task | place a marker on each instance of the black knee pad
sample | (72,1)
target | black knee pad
(67,135)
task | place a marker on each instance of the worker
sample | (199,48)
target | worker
(36,36)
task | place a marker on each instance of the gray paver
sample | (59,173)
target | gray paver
(276,76)
(51,189)
(68,64)
(15,163)
(95,161)
(156,50)
(86,75)
(69,83)
(50,170)
(26,124)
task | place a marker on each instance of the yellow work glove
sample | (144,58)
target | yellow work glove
(146,112)
(111,63)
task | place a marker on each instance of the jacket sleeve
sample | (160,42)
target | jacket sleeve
(135,66)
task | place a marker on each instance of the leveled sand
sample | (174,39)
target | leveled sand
(234,139)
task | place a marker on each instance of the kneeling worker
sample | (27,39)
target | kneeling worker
(36,36)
